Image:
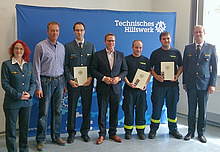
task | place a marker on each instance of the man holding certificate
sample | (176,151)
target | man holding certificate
(135,96)
(78,58)
(164,61)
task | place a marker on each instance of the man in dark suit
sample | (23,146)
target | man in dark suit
(199,80)
(109,68)
(78,53)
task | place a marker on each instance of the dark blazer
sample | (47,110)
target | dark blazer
(14,82)
(202,72)
(100,67)
(75,57)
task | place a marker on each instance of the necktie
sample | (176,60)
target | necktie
(80,44)
(198,50)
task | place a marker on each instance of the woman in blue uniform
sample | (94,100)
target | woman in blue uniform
(19,85)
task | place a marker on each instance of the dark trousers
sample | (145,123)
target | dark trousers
(113,100)
(11,115)
(171,94)
(134,99)
(86,98)
(200,98)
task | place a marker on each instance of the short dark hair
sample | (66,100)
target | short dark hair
(74,26)
(52,22)
(164,34)
(135,41)
(109,34)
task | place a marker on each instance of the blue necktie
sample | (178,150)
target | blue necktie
(198,50)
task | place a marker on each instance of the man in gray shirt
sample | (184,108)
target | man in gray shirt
(48,67)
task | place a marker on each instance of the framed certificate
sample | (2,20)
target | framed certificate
(140,78)
(80,74)
(167,70)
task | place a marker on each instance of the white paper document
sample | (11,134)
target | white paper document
(140,78)
(167,70)
(80,74)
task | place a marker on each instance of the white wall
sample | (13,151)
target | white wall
(8,21)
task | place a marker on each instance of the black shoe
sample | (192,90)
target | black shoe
(188,136)
(176,134)
(202,139)
(152,134)
(86,138)
(141,136)
(70,139)
(128,135)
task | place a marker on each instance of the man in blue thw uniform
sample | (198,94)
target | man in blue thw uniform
(199,80)
(165,89)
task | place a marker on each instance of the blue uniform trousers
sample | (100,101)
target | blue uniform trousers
(195,97)
(171,94)
(11,115)
(134,99)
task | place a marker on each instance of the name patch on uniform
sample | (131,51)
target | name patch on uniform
(190,55)
(88,54)
(29,71)
(73,56)
(143,63)
(172,56)
(207,54)
(14,72)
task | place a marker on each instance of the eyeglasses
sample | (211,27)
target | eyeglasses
(16,48)
(79,30)
(198,32)
(110,40)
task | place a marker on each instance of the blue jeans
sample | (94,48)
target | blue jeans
(52,94)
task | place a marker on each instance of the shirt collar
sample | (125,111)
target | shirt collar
(77,41)
(201,44)
(109,51)
(14,61)
(51,42)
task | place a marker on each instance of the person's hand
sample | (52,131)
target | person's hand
(108,80)
(159,78)
(184,87)
(115,80)
(74,84)
(211,89)
(64,90)
(88,82)
(39,93)
(25,95)
(175,78)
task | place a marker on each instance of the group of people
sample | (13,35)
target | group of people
(53,64)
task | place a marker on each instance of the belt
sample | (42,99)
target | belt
(52,78)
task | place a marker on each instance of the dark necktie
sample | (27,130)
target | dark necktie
(198,50)
(80,44)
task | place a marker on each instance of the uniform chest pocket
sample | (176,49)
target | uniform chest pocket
(207,57)
(73,56)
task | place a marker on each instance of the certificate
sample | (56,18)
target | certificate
(167,70)
(140,78)
(80,74)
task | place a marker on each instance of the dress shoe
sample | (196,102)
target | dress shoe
(60,142)
(152,134)
(100,140)
(188,136)
(116,138)
(176,134)
(202,139)
(70,139)
(86,138)
(141,136)
(40,146)
(128,135)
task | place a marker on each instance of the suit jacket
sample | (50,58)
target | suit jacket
(100,67)
(200,72)
(75,57)
(14,82)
